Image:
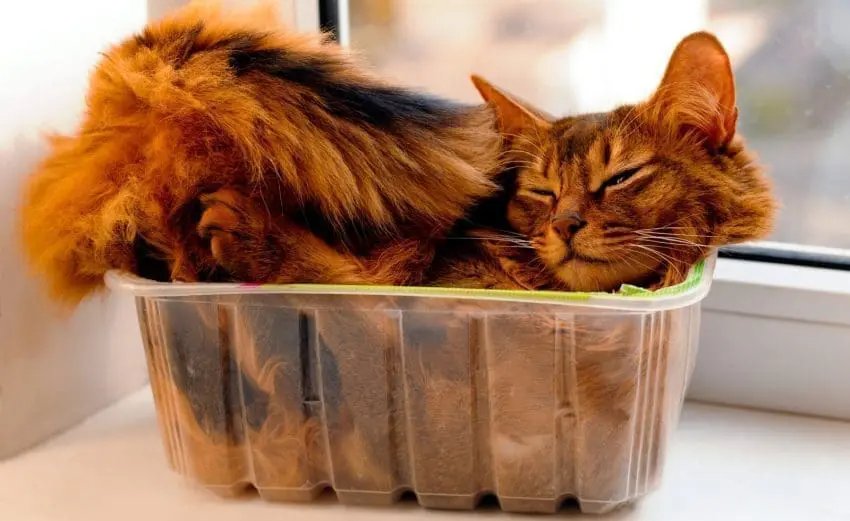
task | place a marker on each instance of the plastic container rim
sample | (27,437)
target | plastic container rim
(693,290)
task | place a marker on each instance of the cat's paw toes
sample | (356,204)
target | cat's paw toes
(227,223)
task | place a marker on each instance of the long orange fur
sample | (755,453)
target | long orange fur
(207,99)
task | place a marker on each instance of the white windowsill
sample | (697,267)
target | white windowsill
(776,337)
(783,276)
(742,464)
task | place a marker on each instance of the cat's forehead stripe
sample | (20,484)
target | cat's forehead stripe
(577,134)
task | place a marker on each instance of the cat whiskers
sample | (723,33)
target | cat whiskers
(535,143)
(671,234)
(658,255)
(674,241)
(530,154)
(671,228)
(628,260)
(667,248)
(668,241)
(527,159)
(540,266)
(525,164)
(684,236)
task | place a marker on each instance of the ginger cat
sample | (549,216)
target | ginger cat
(218,147)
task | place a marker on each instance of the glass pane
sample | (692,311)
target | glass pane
(791,58)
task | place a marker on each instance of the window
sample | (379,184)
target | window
(774,335)
(585,56)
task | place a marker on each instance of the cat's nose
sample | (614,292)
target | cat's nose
(568,224)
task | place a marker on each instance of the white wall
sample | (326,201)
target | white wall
(54,370)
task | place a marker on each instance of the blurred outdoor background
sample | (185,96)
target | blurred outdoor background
(791,59)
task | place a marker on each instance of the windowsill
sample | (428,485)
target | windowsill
(782,276)
(749,465)
(775,337)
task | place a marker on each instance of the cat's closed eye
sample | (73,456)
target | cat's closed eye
(543,192)
(620,178)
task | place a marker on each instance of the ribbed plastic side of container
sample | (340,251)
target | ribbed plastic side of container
(452,399)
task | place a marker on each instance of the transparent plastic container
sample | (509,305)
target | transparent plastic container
(533,397)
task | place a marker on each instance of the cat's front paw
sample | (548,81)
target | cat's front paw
(237,230)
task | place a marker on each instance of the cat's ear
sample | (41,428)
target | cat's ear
(698,90)
(514,114)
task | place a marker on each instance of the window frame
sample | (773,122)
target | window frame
(775,330)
